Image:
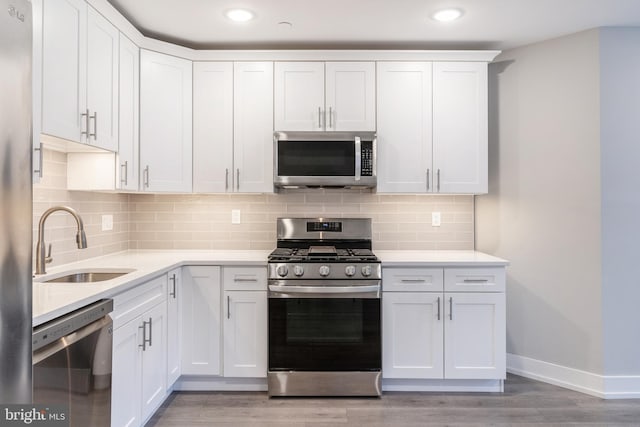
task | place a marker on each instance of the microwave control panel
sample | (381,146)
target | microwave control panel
(367,158)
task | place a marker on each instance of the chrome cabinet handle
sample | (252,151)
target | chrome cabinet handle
(226,179)
(413,280)
(173,292)
(450,308)
(438,308)
(228,307)
(145,177)
(40,162)
(239,279)
(319,118)
(438,180)
(86,123)
(125,165)
(476,280)
(238,179)
(428,183)
(95,125)
(150,331)
(145,340)
(330,117)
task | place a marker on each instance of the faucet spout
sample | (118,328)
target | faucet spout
(81,238)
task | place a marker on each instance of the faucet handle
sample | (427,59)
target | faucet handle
(48,258)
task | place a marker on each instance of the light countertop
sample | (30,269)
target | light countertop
(51,300)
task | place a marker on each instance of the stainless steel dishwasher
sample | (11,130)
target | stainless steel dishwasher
(72,364)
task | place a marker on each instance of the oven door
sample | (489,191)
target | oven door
(324,328)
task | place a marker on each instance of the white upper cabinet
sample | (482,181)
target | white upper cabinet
(212,127)
(79,74)
(64,68)
(350,96)
(165,123)
(253,127)
(404,127)
(318,96)
(432,127)
(102,81)
(460,134)
(129,113)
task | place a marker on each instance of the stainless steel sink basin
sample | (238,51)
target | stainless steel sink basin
(87,276)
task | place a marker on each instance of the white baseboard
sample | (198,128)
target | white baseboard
(605,387)
(206,383)
(443,386)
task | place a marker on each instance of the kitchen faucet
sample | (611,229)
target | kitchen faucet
(81,237)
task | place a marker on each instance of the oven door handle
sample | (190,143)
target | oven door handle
(292,291)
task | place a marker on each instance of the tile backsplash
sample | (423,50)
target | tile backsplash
(204,221)
(163,221)
(60,227)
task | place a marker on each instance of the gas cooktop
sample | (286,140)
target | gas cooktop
(326,254)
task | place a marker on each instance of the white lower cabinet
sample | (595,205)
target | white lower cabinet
(201,323)
(139,353)
(432,334)
(174,324)
(245,334)
(245,322)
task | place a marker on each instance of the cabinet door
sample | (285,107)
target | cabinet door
(412,335)
(404,127)
(102,81)
(126,375)
(475,341)
(460,134)
(174,325)
(64,68)
(350,96)
(154,360)
(245,334)
(129,102)
(201,320)
(165,122)
(212,127)
(299,96)
(253,127)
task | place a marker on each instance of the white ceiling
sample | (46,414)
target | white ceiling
(372,24)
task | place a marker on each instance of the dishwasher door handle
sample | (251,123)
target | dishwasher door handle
(69,340)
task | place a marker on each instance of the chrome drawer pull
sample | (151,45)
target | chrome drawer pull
(413,281)
(476,280)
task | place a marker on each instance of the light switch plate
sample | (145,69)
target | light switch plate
(107,222)
(235,216)
(435,219)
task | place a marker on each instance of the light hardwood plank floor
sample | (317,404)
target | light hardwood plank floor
(524,403)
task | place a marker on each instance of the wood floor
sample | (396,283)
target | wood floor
(524,403)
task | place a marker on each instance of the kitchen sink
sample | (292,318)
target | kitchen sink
(87,276)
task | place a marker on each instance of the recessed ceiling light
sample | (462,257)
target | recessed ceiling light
(239,15)
(447,15)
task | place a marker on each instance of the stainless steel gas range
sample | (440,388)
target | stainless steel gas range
(324,309)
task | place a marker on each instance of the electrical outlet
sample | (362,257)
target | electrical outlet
(235,216)
(107,222)
(435,219)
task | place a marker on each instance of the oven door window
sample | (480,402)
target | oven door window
(316,158)
(309,334)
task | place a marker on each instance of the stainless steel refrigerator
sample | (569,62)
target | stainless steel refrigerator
(16,204)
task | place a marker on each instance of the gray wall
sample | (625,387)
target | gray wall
(543,210)
(620,145)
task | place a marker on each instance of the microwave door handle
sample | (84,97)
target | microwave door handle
(358,153)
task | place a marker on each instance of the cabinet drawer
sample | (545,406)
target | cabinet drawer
(132,303)
(245,278)
(474,279)
(412,279)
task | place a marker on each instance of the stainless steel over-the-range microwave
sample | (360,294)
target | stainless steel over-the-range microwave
(324,159)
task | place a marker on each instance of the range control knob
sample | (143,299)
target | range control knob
(282,270)
(366,270)
(298,270)
(324,270)
(350,270)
